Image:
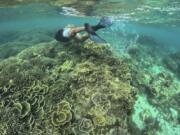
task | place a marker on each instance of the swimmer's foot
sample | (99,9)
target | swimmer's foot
(106,21)
(103,23)
(92,34)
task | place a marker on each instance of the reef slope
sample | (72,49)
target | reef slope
(54,89)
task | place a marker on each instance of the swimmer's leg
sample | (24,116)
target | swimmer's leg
(76,30)
(81,38)
(103,23)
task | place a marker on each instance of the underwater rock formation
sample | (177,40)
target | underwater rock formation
(74,89)
(156,108)
(172,62)
(147,39)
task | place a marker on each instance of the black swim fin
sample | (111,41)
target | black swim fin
(93,36)
(89,29)
(96,38)
(103,23)
(106,21)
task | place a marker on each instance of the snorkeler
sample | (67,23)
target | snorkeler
(68,33)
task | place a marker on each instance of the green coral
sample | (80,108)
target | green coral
(86,125)
(26,107)
(24,112)
(3,129)
(100,120)
(60,118)
(66,66)
(101,100)
(62,114)
(23,108)
(66,90)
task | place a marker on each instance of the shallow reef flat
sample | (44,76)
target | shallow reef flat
(172,62)
(14,42)
(157,106)
(55,89)
(85,89)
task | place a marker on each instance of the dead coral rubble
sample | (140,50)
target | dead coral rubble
(53,89)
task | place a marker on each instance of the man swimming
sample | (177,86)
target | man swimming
(68,33)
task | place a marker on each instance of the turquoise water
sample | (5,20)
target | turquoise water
(44,17)
(152,50)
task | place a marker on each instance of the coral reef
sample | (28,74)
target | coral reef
(172,62)
(61,114)
(14,42)
(156,109)
(74,89)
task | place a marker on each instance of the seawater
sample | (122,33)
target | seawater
(154,48)
(44,17)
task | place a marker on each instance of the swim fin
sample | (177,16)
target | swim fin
(92,34)
(96,38)
(105,21)
(89,29)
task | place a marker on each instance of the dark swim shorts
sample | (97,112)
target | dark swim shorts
(62,36)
